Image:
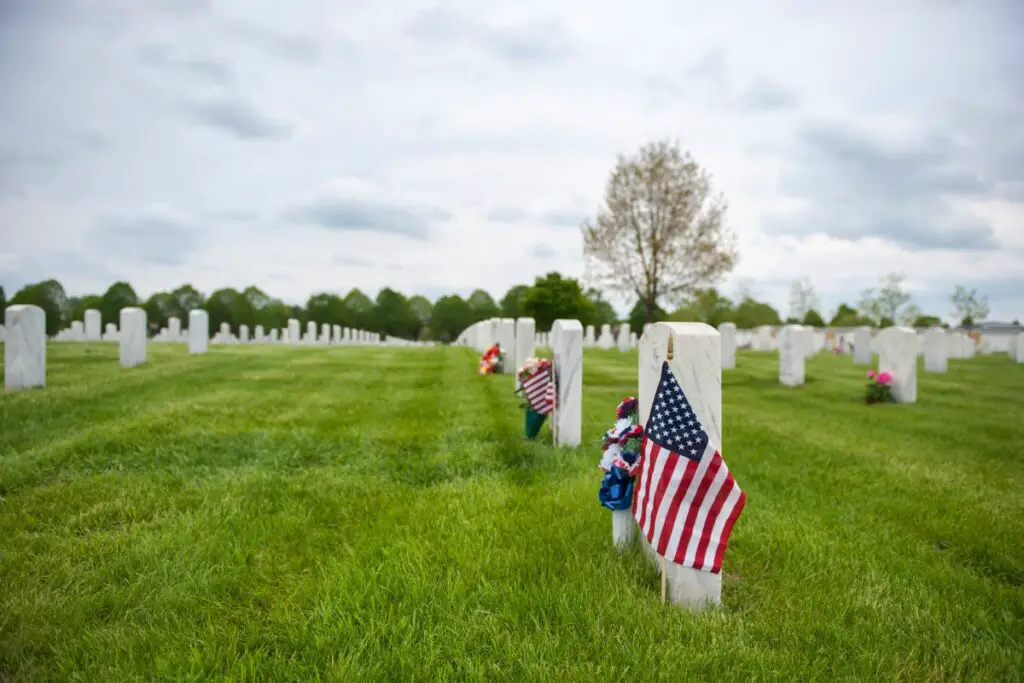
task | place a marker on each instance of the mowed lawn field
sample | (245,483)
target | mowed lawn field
(276,513)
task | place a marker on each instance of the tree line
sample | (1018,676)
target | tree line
(392,313)
(550,297)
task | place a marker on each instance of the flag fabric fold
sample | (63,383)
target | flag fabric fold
(539,390)
(686,499)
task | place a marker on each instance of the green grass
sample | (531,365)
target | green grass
(272,513)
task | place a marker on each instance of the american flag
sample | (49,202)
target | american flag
(540,390)
(686,500)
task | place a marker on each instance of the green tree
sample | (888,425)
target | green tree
(48,295)
(394,316)
(512,302)
(159,308)
(552,297)
(750,314)
(225,306)
(186,298)
(601,312)
(927,321)
(482,305)
(659,234)
(423,310)
(275,315)
(451,315)
(360,310)
(3,300)
(638,316)
(83,304)
(119,295)
(813,318)
(325,308)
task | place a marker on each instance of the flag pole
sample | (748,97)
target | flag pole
(669,353)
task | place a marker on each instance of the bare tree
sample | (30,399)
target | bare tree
(745,290)
(868,306)
(891,296)
(659,234)
(969,305)
(802,298)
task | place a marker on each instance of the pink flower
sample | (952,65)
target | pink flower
(884,377)
(871,374)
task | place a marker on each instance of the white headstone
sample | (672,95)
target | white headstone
(110,331)
(133,336)
(727,332)
(1017,348)
(335,334)
(897,355)
(310,332)
(93,324)
(623,340)
(273,336)
(24,347)
(696,364)
(936,355)
(325,333)
(589,339)
(862,346)
(526,330)
(293,331)
(258,334)
(567,421)
(792,352)
(174,329)
(77,330)
(198,331)
(605,341)
(243,333)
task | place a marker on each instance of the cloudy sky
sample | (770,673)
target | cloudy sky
(306,146)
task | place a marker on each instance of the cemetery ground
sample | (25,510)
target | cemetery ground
(282,513)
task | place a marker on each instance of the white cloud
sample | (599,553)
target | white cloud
(845,138)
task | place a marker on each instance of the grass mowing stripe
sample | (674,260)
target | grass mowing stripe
(269,536)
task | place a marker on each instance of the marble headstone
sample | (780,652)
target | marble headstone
(258,335)
(526,331)
(936,355)
(606,341)
(243,333)
(133,336)
(589,338)
(862,346)
(24,347)
(93,325)
(623,339)
(77,330)
(174,328)
(567,422)
(727,332)
(198,331)
(792,352)
(697,366)
(897,355)
(293,331)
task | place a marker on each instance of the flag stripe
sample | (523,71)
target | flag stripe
(700,560)
(665,534)
(723,537)
(687,501)
(538,391)
(695,524)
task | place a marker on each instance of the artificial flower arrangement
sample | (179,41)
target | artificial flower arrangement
(621,459)
(535,381)
(879,388)
(492,361)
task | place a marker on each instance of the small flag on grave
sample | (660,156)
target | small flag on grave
(535,381)
(686,499)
